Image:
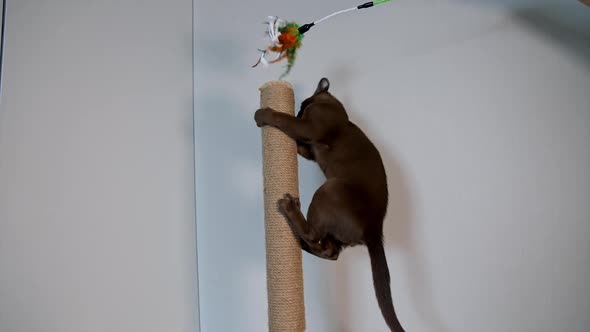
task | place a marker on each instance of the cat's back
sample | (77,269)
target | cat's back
(351,154)
(355,159)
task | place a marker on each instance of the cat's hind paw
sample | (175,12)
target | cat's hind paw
(288,204)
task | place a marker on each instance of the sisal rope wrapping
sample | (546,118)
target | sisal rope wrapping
(284,275)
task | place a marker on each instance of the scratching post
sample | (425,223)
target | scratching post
(284,275)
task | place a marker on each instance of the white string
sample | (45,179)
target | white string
(334,14)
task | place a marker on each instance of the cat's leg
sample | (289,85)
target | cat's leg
(298,129)
(334,218)
(310,239)
(339,208)
(327,249)
(305,151)
(303,148)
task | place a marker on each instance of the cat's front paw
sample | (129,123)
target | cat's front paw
(289,204)
(262,116)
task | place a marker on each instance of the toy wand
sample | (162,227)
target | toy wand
(285,37)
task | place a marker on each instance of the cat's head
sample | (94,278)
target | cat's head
(321,95)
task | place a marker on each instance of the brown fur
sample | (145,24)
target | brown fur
(349,208)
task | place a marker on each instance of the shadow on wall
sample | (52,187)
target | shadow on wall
(232,163)
(568,26)
(398,229)
(399,232)
(565,23)
(233,218)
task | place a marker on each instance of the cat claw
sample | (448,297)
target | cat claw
(288,204)
(294,199)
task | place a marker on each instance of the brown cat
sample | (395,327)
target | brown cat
(349,208)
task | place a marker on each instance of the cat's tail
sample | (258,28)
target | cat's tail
(381,283)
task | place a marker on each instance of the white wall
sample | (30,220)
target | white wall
(96,168)
(482,112)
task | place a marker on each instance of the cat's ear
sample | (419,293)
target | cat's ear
(323,85)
